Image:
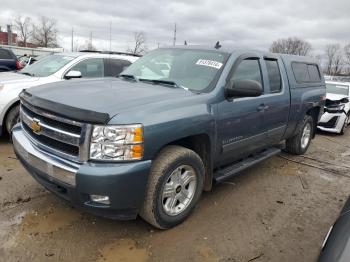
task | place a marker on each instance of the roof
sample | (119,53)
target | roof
(94,54)
(232,50)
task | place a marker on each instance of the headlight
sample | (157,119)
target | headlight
(117,143)
(336,108)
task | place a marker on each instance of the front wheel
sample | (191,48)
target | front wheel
(298,144)
(174,187)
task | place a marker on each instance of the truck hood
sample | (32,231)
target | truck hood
(81,99)
(335,97)
(16,78)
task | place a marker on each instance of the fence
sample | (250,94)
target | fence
(20,51)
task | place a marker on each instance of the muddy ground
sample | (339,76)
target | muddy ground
(279,210)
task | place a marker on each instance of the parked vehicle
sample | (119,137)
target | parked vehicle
(55,68)
(336,117)
(27,60)
(336,246)
(150,142)
(8,61)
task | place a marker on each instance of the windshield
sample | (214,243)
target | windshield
(337,89)
(196,70)
(47,65)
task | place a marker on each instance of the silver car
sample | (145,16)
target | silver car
(54,68)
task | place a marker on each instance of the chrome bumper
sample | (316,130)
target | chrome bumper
(35,159)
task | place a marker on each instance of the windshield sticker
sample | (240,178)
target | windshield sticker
(209,63)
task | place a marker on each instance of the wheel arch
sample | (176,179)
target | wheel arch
(202,145)
(7,110)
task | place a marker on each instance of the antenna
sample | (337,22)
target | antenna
(217,45)
(110,36)
(72,39)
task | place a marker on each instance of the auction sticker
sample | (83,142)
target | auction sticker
(209,63)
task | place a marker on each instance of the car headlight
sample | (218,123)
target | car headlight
(117,143)
(336,108)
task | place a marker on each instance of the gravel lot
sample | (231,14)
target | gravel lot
(279,210)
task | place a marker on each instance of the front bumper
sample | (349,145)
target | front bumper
(124,184)
(332,122)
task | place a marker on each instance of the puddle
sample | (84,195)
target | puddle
(48,221)
(7,239)
(123,251)
(206,254)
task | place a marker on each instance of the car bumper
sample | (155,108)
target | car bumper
(124,184)
(332,122)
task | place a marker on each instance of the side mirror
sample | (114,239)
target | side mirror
(244,88)
(73,74)
(345,100)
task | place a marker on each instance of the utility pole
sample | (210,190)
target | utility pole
(90,44)
(72,39)
(110,37)
(174,35)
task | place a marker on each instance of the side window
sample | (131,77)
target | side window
(4,54)
(306,73)
(248,69)
(300,72)
(274,74)
(90,68)
(314,73)
(116,66)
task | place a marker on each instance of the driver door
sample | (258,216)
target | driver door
(241,120)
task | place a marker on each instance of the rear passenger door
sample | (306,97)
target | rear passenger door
(277,99)
(114,67)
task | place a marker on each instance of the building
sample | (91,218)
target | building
(8,38)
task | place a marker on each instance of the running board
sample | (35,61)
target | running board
(234,169)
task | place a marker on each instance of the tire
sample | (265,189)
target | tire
(12,118)
(296,145)
(345,125)
(172,161)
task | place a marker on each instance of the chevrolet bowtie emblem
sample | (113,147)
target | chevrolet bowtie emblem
(35,126)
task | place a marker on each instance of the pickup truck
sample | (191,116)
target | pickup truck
(150,141)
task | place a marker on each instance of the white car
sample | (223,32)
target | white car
(336,115)
(54,68)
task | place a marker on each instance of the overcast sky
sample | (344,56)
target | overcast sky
(237,23)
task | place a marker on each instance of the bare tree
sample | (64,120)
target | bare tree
(292,46)
(139,46)
(45,33)
(347,57)
(334,59)
(23,27)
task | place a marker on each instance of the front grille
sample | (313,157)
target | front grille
(59,136)
(330,124)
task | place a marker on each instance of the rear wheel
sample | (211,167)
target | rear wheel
(12,118)
(299,144)
(174,188)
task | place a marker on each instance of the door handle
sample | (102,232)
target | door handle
(262,107)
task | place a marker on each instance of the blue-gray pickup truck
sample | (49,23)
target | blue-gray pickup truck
(150,141)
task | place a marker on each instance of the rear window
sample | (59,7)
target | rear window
(274,76)
(4,54)
(116,66)
(314,73)
(306,73)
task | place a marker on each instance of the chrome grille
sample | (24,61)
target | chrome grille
(54,134)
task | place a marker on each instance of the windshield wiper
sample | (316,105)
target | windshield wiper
(25,73)
(132,77)
(163,82)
